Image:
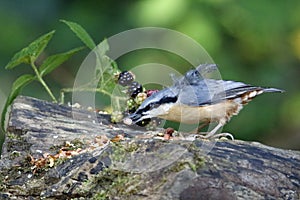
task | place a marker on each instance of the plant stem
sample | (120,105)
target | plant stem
(66,90)
(42,81)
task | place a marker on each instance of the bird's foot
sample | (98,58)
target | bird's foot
(207,135)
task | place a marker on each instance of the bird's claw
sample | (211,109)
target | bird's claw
(219,135)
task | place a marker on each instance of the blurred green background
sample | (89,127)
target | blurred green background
(257,42)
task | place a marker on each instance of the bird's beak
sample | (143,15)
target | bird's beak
(132,119)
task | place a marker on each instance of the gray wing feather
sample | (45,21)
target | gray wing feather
(209,91)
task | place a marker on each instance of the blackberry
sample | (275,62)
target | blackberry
(125,78)
(134,88)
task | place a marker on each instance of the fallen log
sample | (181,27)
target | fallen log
(56,151)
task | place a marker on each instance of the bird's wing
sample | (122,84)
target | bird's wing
(210,91)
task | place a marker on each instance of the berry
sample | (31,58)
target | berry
(116,117)
(140,98)
(150,92)
(134,88)
(131,104)
(125,78)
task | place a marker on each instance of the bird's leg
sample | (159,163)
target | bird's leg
(198,129)
(202,126)
(212,134)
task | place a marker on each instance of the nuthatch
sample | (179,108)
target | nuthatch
(193,99)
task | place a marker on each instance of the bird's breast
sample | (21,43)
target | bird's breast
(207,113)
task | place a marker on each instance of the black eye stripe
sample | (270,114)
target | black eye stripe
(140,111)
(157,104)
(167,100)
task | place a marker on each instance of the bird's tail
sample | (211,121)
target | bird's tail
(272,90)
(247,93)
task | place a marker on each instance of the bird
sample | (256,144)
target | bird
(194,99)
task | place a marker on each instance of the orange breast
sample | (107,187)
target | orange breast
(194,115)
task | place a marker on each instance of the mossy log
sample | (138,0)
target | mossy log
(56,151)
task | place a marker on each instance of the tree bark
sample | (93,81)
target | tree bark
(55,151)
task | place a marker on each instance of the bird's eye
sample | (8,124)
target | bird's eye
(146,108)
(150,106)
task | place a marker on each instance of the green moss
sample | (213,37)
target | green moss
(14,154)
(111,182)
(195,163)
(178,166)
(77,143)
(2,184)
(58,161)
(199,161)
(13,136)
(115,183)
(121,150)
(72,145)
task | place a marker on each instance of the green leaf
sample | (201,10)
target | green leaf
(81,33)
(16,88)
(103,61)
(102,48)
(54,61)
(31,52)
